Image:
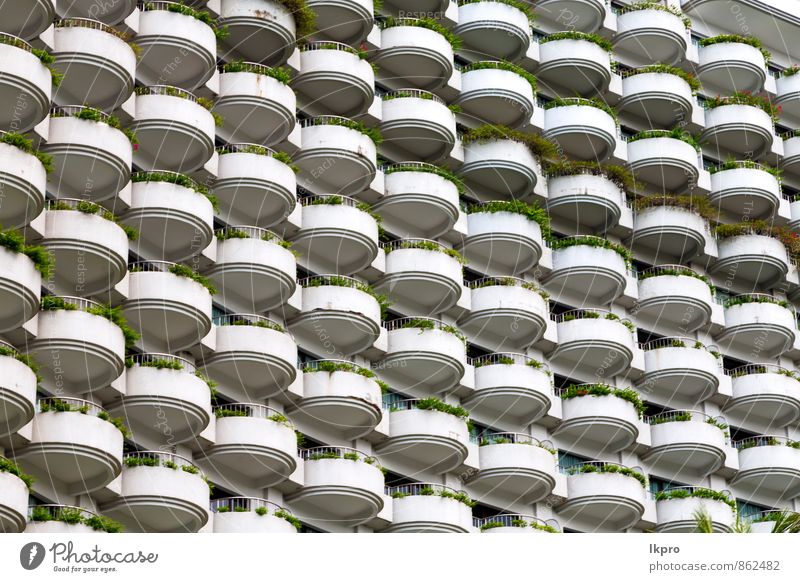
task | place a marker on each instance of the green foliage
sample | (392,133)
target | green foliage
(92,114)
(8,466)
(102,523)
(683,416)
(256,323)
(582,102)
(745,98)
(427,324)
(178,179)
(595,242)
(23,358)
(674,133)
(117,422)
(26,145)
(45,57)
(209,382)
(438,405)
(621,176)
(737,38)
(280,74)
(87,207)
(656,6)
(608,468)
(538,145)
(530,211)
(690,79)
(699,205)
(114,315)
(698,493)
(603,43)
(731,164)
(288,517)
(790,71)
(189,273)
(627,394)
(73,516)
(426,245)
(333,280)
(676,272)
(371,132)
(430,169)
(789,239)
(162,364)
(502,66)
(208,104)
(221,32)
(744,299)
(428,23)
(521,6)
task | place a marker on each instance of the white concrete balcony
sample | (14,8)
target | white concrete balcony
(675,294)
(604,496)
(164,392)
(339,315)
(342,485)
(254,441)
(418,122)
(17,390)
(587,336)
(64,520)
(13,502)
(423,274)
(253,352)
(686,440)
(586,198)
(510,385)
(582,15)
(111,13)
(99,67)
(663,99)
(680,369)
(338,234)
(420,198)
(178,49)
(591,268)
(262,31)
(676,509)
(73,445)
(511,523)
(256,104)
(669,163)
(751,259)
(89,249)
(252,270)
(347,21)
(20,289)
(579,63)
(429,508)
(27,19)
(23,181)
(766,521)
(788,94)
(160,493)
(338,155)
(334,77)
(731,67)
(494,29)
(505,167)
(744,130)
(651,35)
(791,152)
(254,184)
(745,188)
(427,434)
(25,85)
(506,311)
(422,57)
(172,213)
(769,464)
(765,393)
(669,230)
(171,310)
(340,396)
(497,93)
(175,132)
(515,465)
(582,130)
(251,515)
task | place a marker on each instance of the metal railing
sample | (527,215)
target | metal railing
(80,302)
(676,342)
(163,458)
(692,488)
(403,323)
(57,403)
(167,90)
(327,45)
(151,266)
(248,67)
(749,369)
(516,520)
(251,410)
(177,178)
(239,504)
(765,441)
(502,281)
(75,204)
(573,314)
(508,358)
(328,280)
(514,438)
(56,511)
(346,365)
(255,232)
(414,94)
(8,346)
(660,269)
(423,166)
(144,359)
(247,319)
(346,453)
(761,298)
(677,416)
(74,110)
(15,41)
(323,120)
(328,199)
(420,489)
(575,468)
(405,21)
(769,515)
(245,148)
(76,22)
(408,243)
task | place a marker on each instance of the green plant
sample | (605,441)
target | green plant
(92,114)
(191,469)
(674,133)
(595,242)
(690,79)
(683,416)
(117,422)
(427,245)
(221,32)
(582,102)
(789,239)
(26,145)
(699,493)
(170,465)
(790,71)
(745,299)
(731,164)
(531,212)
(438,405)
(622,177)
(189,273)
(607,468)
(745,98)
(676,272)
(228,412)
(493,524)
(720,425)
(371,132)
(698,205)
(428,324)
(521,6)
(603,43)
(333,280)
(22,358)
(209,382)
(737,38)
(785,521)
(502,66)
(288,517)
(538,145)
(627,394)
(141,462)
(429,23)
(178,179)
(162,364)
(114,315)
(208,104)
(8,466)
(428,168)
(280,74)
(656,6)
(86,207)
(261,511)
(102,523)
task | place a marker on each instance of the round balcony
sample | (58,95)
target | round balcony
(252,268)
(340,158)
(108,13)
(73,445)
(676,509)
(256,104)
(686,440)
(425,436)
(62,519)
(582,130)
(680,369)
(788,94)
(769,464)
(20,289)
(421,56)
(338,234)
(23,181)
(744,188)
(424,353)
(594,339)
(254,184)
(761,322)
(251,515)
(13,500)
(791,152)
(585,64)
(669,232)
(667,162)
(590,268)
(675,294)
(515,465)
(340,396)
(160,493)
(794,209)
(418,122)
(25,85)
(262,31)
(660,35)
(254,441)
(342,485)
(254,353)
(17,390)
(511,523)
(581,15)
(163,393)
(429,508)
(340,316)
(174,131)
(663,99)
(743,130)
(593,201)
(751,259)
(497,93)
(27,19)
(731,67)
(766,394)
(89,249)
(347,21)
(99,67)
(171,310)
(494,29)
(505,167)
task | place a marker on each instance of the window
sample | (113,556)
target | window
(563,381)
(657,484)
(567,460)
(747,509)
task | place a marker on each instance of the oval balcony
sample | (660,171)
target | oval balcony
(160,492)
(765,393)
(165,393)
(338,234)
(419,198)
(255,441)
(506,311)
(604,496)
(582,15)
(595,339)
(342,485)
(262,31)
(791,152)
(509,385)
(675,294)
(731,67)
(591,268)
(582,130)
(769,464)
(585,198)
(745,188)
(109,13)
(90,250)
(256,104)
(23,181)
(13,501)
(680,369)
(254,184)
(498,93)
(177,48)
(252,269)
(515,465)
(99,67)
(174,131)
(580,63)
(788,94)
(20,289)
(27,19)
(676,509)
(170,309)
(760,320)
(63,519)
(347,21)
(172,213)
(334,77)
(418,122)
(429,508)
(663,99)
(505,167)
(254,353)
(664,161)
(73,445)
(337,154)
(423,435)
(686,440)
(421,56)
(660,35)
(511,523)
(17,390)
(339,316)
(340,396)
(744,130)
(751,258)
(668,230)
(494,29)
(250,515)
(24,82)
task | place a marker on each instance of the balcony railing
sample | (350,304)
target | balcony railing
(575,314)
(748,369)
(680,342)
(239,504)
(332,199)
(57,512)
(80,303)
(161,458)
(509,358)
(255,232)
(766,441)
(167,90)
(344,365)
(251,410)
(164,360)
(248,319)
(420,489)
(516,438)
(10,39)
(318,453)
(516,520)
(69,404)
(75,110)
